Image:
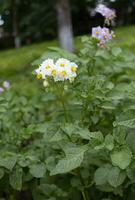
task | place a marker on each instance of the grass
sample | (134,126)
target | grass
(126,37)
(18,60)
(15,62)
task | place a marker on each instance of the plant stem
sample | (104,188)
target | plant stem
(64,108)
(84,191)
(84,195)
(62,100)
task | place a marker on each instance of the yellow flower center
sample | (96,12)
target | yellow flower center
(47,67)
(62,65)
(73,69)
(63,73)
(39,76)
(105,36)
(54,72)
(97,33)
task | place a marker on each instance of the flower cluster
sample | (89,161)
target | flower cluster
(102,34)
(61,70)
(5,85)
(106,12)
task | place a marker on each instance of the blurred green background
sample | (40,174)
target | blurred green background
(29,27)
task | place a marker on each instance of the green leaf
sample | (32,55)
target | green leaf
(74,129)
(131,174)
(37,170)
(43,127)
(47,191)
(85,173)
(97,135)
(105,188)
(109,174)
(15,178)
(75,182)
(109,142)
(97,140)
(128,123)
(103,54)
(108,106)
(131,141)
(101,174)
(116,51)
(63,53)
(50,162)
(119,134)
(84,134)
(69,128)
(57,137)
(74,158)
(116,177)
(23,161)
(1,173)
(8,161)
(121,158)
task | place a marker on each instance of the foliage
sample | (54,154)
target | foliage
(72,140)
(37,18)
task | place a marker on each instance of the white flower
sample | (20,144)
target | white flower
(38,73)
(62,70)
(6,84)
(66,70)
(45,69)
(73,70)
(62,63)
(73,66)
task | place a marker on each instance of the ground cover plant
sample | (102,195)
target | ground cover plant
(71,136)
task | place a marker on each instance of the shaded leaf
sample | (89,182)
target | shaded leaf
(15,178)
(116,177)
(74,158)
(101,174)
(8,161)
(37,170)
(121,158)
(128,123)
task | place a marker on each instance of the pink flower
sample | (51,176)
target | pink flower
(102,34)
(106,12)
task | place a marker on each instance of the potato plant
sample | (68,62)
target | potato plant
(72,138)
